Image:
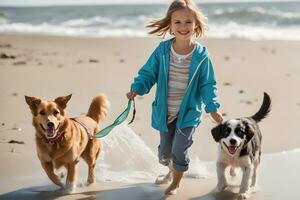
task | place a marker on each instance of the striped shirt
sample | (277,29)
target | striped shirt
(178,81)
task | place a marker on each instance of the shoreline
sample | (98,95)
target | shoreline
(205,38)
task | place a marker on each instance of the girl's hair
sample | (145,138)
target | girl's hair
(162,26)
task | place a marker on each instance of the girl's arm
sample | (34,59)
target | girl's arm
(208,89)
(147,76)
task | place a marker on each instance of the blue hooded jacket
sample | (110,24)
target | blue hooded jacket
(201,87)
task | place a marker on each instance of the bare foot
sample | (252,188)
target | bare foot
(172,189)
(163,179)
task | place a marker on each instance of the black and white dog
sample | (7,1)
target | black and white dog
(240,146)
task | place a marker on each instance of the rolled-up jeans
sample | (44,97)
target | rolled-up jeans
(174,146)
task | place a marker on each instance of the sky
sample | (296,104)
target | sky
(87,2)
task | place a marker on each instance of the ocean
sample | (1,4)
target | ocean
(254,21)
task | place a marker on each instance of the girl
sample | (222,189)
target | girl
(183,72)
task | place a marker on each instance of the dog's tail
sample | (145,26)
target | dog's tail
(98,108)
(264,109)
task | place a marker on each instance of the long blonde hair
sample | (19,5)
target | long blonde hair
(162,26)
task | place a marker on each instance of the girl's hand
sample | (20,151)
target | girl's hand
(217,116)
(130,95)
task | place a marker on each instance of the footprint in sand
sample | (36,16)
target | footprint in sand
(5,45)
(6,56)
(273,51)
(226,58)
(16,142)
(93,61)
(20,63)
(248,102)
(227,84)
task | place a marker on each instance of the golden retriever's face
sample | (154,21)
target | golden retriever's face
(48,116)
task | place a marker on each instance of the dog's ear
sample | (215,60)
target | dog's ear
(217,132)
(249,131)
(62,101)
(33,103)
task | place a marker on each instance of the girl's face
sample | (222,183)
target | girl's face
(183,24)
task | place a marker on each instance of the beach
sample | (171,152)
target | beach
(51,66)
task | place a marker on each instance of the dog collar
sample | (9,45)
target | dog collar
(54,140)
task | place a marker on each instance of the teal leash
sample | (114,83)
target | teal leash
(120,119)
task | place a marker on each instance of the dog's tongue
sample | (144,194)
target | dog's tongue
(50,131)
(232,149)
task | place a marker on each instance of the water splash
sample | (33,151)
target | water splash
(126,158)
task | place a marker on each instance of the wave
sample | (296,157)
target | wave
(255,11)
(236,30)
(107,22)
(49,29)
(3,18)
(97,20)
(79,28)
(257,15)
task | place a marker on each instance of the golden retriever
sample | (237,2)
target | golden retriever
(61,141)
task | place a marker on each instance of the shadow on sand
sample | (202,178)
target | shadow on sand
(145,191)
(226,195)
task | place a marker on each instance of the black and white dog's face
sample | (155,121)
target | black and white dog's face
(233,135)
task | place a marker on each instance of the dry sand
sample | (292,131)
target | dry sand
(52,66)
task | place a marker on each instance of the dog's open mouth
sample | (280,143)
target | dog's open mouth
(232,148)
(49,131)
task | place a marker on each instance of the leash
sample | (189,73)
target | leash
(121,118)
(85,128)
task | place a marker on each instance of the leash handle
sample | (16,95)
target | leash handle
(134,112)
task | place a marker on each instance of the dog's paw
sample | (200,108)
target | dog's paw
(59,183)
(220,188)
(244,195)
(70,188)
(88,183)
